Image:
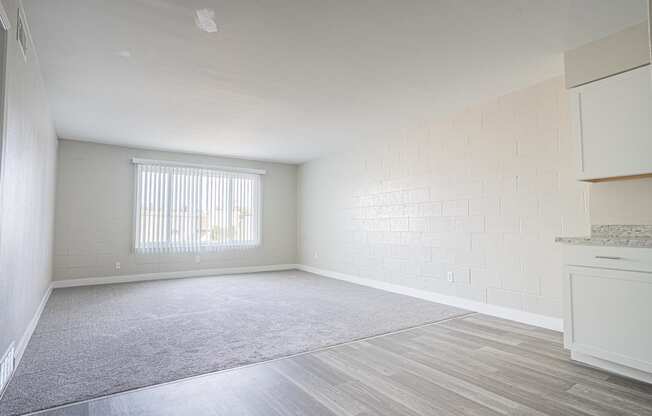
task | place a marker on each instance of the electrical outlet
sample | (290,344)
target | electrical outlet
(117,265)
(315,255)
(450,276)
(197,259)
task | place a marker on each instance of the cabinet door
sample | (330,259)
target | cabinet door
(613,124)
(608,314)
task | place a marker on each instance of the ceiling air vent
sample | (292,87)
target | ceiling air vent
(21,33)
(205,20)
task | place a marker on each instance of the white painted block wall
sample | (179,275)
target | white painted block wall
(27,191)
(481,194)
(94,213)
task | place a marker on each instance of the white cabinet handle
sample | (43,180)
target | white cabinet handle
(608,258)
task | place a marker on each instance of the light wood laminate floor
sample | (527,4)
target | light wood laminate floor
(474,365)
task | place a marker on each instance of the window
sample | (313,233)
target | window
(194,208)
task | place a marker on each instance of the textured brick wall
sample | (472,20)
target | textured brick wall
(482,194)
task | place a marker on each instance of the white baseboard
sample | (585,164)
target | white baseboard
(27,335)
(105,280)
(611,366)
(7,367)
(555,324)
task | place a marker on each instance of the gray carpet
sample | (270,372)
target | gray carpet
(98,340)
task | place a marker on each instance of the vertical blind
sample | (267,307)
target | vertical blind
(193,209)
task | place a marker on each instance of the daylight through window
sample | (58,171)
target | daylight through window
(194,209)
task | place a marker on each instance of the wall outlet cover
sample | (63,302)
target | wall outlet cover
(450,276)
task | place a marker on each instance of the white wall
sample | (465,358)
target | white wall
(93,224)
(482,194)
(26,192)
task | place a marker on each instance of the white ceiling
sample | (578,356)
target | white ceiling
(293,80)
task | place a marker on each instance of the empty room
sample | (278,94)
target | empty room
(333,207)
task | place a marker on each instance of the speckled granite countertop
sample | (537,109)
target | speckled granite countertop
(637,236)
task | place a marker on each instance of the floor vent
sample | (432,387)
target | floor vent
(6,368)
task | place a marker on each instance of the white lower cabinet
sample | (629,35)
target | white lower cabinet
(608,313)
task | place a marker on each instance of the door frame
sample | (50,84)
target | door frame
(649,24)
(5,27)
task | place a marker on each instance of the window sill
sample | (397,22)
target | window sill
(210,248)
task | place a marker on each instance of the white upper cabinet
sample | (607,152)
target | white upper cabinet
(612,121)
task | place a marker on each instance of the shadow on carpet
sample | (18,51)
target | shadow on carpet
(98,340)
